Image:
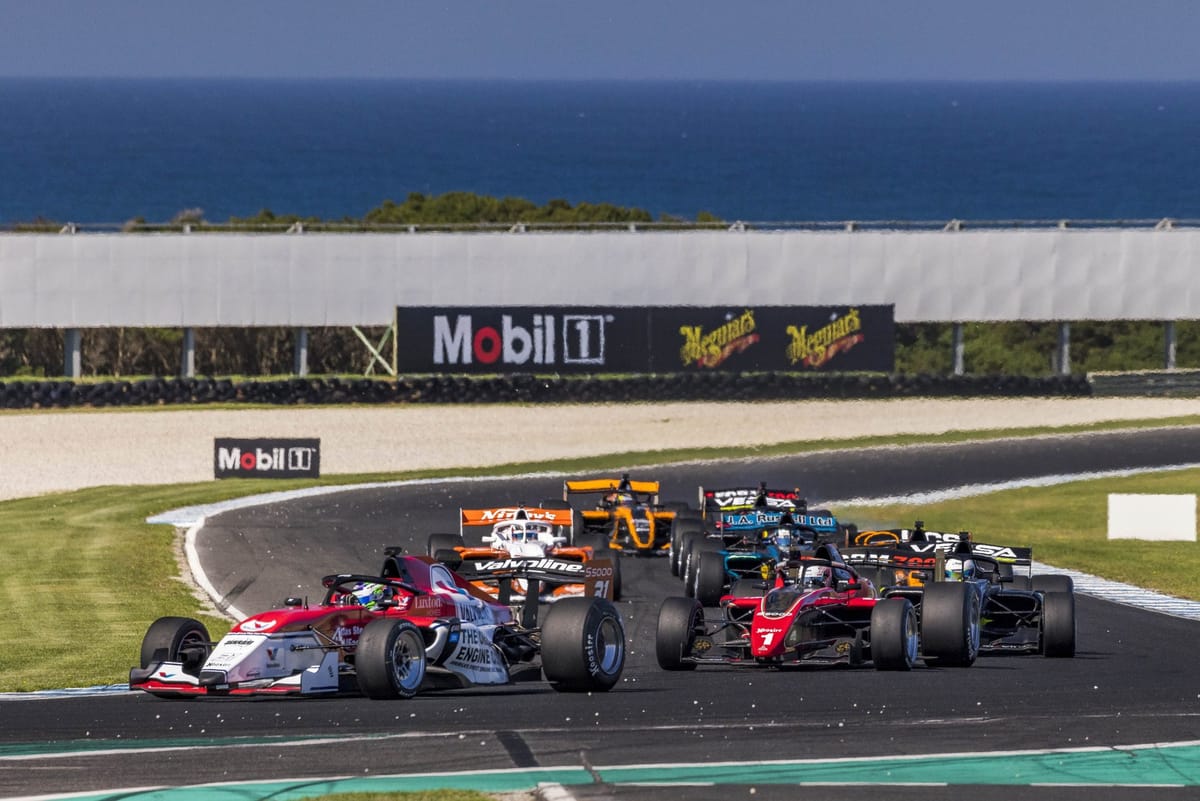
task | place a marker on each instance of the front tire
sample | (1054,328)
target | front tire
(176,639)
(950,628)
(679,621)
(1058,625)
(1052,582)
(583,645)
(389,659)
(710,577)
(894,635)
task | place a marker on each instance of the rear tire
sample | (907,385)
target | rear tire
(950,629)
(710,577)
(678,530)
(389,659)
(679,621)
(583,645)
(443,542)
(1058,625)
(894,635)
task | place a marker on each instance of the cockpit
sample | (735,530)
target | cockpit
(524,531)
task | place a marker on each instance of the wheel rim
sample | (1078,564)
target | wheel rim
(910,638)
(973,629)
(610,644)
(408,661)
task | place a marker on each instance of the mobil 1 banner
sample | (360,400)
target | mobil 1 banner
(267,458)
(522,339)
(774,338)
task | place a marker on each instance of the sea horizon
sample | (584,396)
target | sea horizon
(106,150)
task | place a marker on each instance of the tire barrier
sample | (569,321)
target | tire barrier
(528,389)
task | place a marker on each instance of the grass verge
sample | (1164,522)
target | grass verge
(84,574)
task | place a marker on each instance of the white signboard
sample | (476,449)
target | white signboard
(1152,517)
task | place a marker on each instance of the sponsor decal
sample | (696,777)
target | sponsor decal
(267,458)
(427,602)
(532,564)
(573,339)
(843,647)
(815,349)
(346,635)
(751,519)
(257,625)
(775,499)
(712,349)
(500,515)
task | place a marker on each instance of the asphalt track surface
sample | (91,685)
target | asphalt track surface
(1133,681)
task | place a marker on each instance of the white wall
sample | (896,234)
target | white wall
(313,279)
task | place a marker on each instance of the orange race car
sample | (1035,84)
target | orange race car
(628,514)
(526,548)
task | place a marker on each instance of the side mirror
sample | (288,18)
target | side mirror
(488,538)
(847,586)
(293,601)
(559,540)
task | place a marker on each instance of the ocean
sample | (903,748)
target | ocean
(105,151)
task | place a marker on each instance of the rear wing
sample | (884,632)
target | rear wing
(503,514)
(599,485)
(714,501)
(596,575)
(922,555)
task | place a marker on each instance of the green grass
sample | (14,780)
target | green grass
(84,575)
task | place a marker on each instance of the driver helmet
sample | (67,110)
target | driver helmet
(815,577)
(369,595)
(783,538)
(960,569)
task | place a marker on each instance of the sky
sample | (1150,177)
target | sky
(756,40)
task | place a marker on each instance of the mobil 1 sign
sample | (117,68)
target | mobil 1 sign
(267,458)
(510,339)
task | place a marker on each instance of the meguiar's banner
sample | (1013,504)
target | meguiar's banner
(644,339)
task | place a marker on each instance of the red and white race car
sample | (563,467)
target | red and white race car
(818,610)
(416,626)
(524,545)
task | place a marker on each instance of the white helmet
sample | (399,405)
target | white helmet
(960,569)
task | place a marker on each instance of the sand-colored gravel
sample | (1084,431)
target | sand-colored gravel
(63,450)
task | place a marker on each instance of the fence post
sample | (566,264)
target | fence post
(188,367)
(1064,349)
(300,366)
(72,362)
(1169,337)
(958,349)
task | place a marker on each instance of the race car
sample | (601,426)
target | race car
(628,514)
(418,626)
(1019,612)
(521,540)
(815,610)
(753,541)
(725,514)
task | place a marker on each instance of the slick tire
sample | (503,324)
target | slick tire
(176,639)
(680,529)
(389,660)
(679,621)
(894,635)
(748,588)
(583,645)
(950,628)
(1058,625)
(1052,582)
(443,542)
(710,577)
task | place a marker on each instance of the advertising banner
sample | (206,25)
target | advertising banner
(643,339)
(266,458)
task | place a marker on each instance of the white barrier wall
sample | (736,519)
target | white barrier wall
(315,279)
